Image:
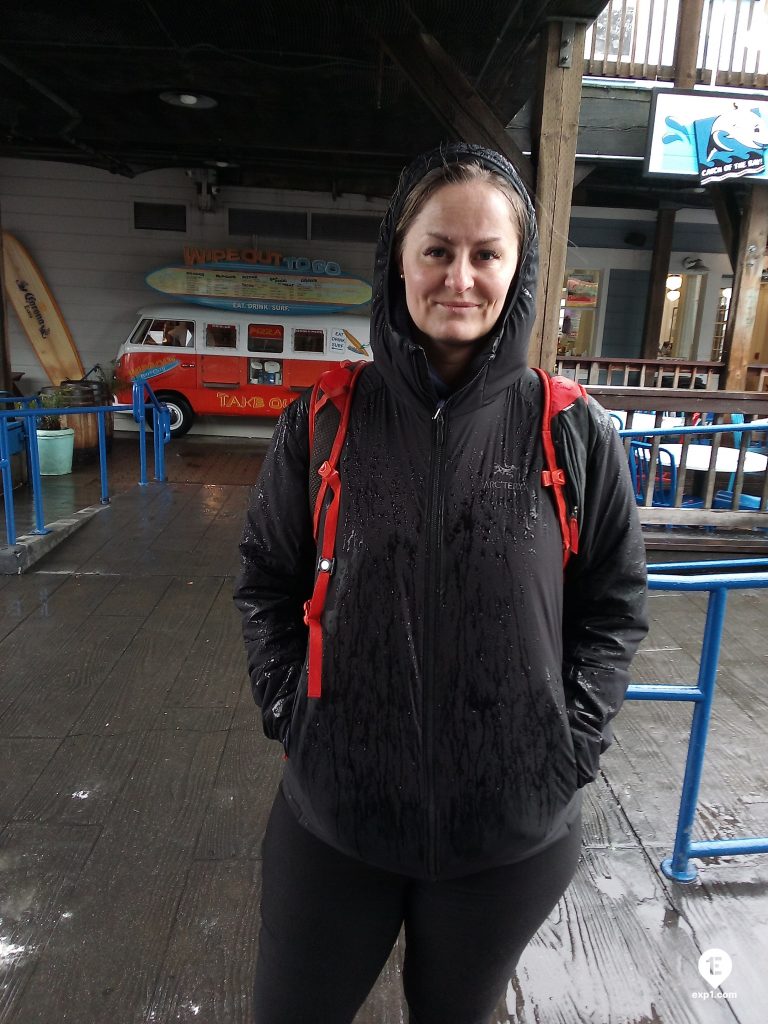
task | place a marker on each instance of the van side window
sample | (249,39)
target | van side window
(265,337)
(220,336)
(179,333)
(308,341)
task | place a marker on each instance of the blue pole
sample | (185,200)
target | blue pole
(163,436)
(34,475)
(157,427)
(103,456)
(728,847)
(678,866)
(5,461)
(142,436)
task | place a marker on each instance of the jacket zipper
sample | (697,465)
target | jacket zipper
(431,605)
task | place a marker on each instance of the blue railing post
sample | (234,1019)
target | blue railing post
(5,462)
(678,866)
(34,475)
(161,425)
(139,415)
(103,456)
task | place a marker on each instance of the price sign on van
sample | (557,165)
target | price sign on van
(338,341)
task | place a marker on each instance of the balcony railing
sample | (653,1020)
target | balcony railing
(636,39)
(718,466)
(641,373)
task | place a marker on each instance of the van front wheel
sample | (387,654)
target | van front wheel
(182,416)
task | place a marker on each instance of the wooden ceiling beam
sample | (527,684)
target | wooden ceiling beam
(452,98)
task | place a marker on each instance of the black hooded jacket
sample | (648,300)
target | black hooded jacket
(468,682)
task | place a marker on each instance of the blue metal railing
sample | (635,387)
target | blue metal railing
(23,418)
(678,867)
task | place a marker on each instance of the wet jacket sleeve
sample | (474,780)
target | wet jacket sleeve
(277,572)
(604,604)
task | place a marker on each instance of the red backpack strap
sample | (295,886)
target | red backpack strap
(329,409)
(557,394)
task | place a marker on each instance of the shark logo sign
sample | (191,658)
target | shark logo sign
(731,145)
(709,136)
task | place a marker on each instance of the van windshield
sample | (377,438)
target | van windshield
(139,332)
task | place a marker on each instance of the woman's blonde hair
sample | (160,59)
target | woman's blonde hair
(459,173)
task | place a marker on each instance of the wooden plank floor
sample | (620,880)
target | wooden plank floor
(137,783)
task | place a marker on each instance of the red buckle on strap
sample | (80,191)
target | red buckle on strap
(553,477)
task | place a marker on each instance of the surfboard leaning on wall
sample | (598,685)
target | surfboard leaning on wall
(39,314)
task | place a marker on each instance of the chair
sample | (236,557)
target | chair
(665,479)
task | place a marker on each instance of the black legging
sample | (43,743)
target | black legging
(329,922)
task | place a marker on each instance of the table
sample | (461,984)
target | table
(699,455)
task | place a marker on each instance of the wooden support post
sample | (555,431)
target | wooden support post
(453,99)
(728,217)
(5,358)
(739,347)
(657,292)
(555,128)
(687,43)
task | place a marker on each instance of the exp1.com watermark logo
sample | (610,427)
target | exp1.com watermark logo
(715,966)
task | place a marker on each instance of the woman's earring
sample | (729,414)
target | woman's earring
(402,277)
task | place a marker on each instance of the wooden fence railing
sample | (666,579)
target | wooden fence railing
(720,466)
(652,373)
(637,40)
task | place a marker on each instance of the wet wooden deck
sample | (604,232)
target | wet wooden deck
(136,786)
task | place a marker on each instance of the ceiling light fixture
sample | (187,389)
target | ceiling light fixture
(189,100)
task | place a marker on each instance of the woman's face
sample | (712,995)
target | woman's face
(458,259)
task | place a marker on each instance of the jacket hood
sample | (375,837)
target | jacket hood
(399,357)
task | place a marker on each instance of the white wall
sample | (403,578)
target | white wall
(77,223)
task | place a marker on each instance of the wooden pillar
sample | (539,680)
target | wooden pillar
(657,292)
(555,129)
(739,346)
(687,43)
(5,357)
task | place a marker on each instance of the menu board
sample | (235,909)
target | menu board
(240,287)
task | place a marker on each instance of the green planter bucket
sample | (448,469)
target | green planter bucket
(55,448)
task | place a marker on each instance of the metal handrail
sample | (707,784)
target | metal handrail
(144,398)
(678,866)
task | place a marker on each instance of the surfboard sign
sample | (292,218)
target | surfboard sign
(248,288)
(39,314)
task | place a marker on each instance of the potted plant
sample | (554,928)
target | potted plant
(55,442)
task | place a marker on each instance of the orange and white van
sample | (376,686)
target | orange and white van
(232,363)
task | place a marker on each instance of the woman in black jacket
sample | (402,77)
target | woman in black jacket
(468,680)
